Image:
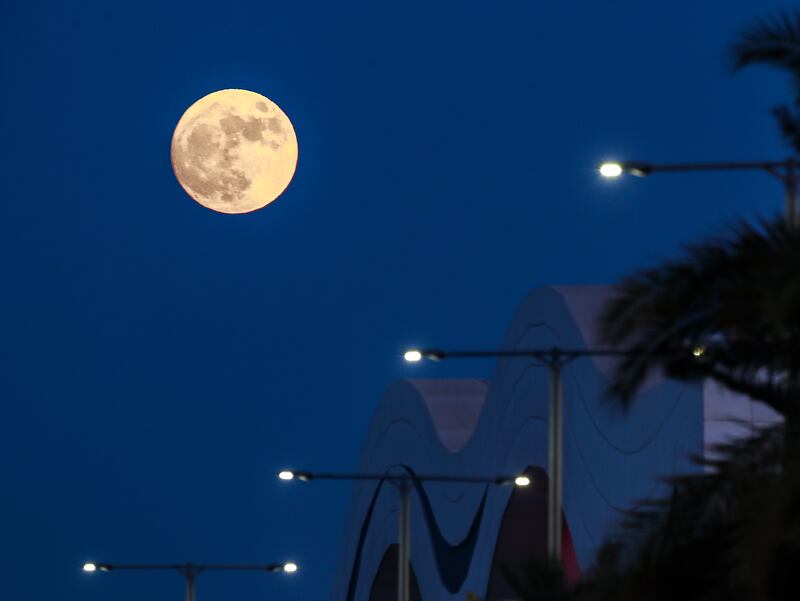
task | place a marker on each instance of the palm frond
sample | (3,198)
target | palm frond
(772,41)
(727,533)
(789,123)
(734,297)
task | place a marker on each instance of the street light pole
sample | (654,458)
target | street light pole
(554,359)
(786,171)
(404,546)
(404,483)
(555,463)
(190,571)
(190,575)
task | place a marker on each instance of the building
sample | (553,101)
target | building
(464,534)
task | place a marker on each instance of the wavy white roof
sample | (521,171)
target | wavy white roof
(474,427)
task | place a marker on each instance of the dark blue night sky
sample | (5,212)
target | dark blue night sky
(159,361)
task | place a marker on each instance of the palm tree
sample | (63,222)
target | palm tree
(775,41)
(728,310)
(732,533)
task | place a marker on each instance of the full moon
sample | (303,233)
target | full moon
(234,151)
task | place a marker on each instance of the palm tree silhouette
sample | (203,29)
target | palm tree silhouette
(728,310)
(775,41)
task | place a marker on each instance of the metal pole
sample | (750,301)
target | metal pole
(555,462)
(644,168)
(403,547)
(190,576)
(790,179)
(190,587)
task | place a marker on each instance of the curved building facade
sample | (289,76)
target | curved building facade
(463,536)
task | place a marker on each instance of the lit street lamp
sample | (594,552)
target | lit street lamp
(554,358)
(190,571)
(403,482)
(786,171)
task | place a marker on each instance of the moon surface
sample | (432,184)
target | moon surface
(234,151)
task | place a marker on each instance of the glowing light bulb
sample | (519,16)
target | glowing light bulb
(412,356)
(89,567)
(290,567)
(610,169)
(522,481)
(286,475)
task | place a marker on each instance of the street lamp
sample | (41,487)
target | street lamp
(786,171)
(555,359)
(403,482)
(190,571)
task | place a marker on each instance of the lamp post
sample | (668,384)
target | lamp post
(403,482)
(190,571)
(554,359)
(786,171)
